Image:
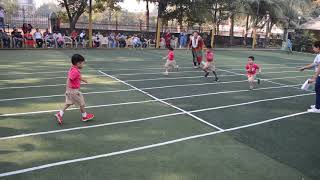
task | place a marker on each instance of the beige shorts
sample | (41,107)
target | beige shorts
(251,77)
(170,64)
(74,97)
(209,66)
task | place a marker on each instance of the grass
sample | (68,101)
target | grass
(285,149)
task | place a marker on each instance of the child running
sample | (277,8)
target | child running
(73,94)
(209,66)
(252,68)
(316,77)
(171,63)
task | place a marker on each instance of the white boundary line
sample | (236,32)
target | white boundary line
(130,74)
(167,115)
(137,69)
(11,173)
(124,90)
(139,80)
(162,101)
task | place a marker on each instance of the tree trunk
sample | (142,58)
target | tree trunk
(72,25)
(231,32)
(147,15)
(246,33)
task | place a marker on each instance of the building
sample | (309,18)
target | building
(27,5)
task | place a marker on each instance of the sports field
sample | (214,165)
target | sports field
(152,127)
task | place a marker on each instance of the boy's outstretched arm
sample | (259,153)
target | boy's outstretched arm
(307,67)
(315,76)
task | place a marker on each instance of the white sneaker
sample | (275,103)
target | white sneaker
(166,73)
(314,110)
(313,106)
(195,67)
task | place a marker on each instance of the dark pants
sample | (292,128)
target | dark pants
(39,43)
(1,23)
(6,42)
(318,93)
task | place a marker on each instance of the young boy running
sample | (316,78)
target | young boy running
(73,94)
(209,66)
(171,63)
(252,68)
(316,77)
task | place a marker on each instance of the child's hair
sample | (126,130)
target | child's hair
(251,57)
(170,48)
(317,44)
(77,58)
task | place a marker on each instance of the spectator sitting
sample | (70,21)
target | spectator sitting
(82,37)
(96,40)
(5,39)
(143,42)
(60,40)
(46,32)
(49,40)
(74,37)
(24,28)
(136,42)
(28,40)
(2,13)
(17,38)
(122,41)
(38,36)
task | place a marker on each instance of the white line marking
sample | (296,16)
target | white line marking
(137,120)
(11,173)
(159,100)
(251,102)
(140,102)
(91,126)
(137,69)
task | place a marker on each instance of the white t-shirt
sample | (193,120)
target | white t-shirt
(2,13)
(38,35)
(82,35)
(316,62)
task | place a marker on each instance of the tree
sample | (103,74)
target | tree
(10,6)
(46,9)
(75,8)
(148,11)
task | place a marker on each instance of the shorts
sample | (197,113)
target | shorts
(170,64)
(74,97)
(251,77)
(209,66)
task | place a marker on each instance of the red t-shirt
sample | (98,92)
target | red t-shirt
(209,56)
(171,56)
(252,69)
(74,78)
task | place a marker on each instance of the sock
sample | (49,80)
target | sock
(84,114)
(61,113)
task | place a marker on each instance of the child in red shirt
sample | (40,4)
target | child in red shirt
(252,68)
(209,65)
(73,94)
(171,63)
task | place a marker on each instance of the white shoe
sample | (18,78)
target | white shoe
(195,67)
(314,110)
(313,106)
(166,73)
(177,68)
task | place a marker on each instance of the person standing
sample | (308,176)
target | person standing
(196,44)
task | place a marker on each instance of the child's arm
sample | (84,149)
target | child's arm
(314,78)
(307,67)
(260,70)
(166,57)
(83,80)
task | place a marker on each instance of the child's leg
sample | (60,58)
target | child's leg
(251,81)
(215,74)
(194,55)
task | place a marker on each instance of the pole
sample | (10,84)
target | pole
(158,32)
(90,23)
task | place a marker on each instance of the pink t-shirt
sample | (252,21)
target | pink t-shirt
(252,69)
(209,56)
(74,77)
(171,56)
